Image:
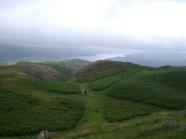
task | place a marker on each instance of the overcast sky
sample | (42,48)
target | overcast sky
(108,25)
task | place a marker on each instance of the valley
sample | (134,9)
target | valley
(123,100)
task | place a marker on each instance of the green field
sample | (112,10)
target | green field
(62,87)
(105,82)
(162,88)
(23,114)
(115,110)
(125,101)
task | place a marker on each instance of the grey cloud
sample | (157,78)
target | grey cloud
(31,31)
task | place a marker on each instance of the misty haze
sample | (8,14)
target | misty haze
(93,30)
(93,69)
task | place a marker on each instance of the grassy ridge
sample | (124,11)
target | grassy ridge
(139,128)
(32,107)
(65,73)
(94,76)
(115,110)
(110,79)
(120,116)
(62,87)
(51,71)
(74,64)
(104,83)
(153,87)
(23,114)
(104,68)
(26,107)
(175,77)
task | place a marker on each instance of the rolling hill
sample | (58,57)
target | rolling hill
(155,58)
(52,71)
(75,64)
(163,86)
(123,100)
(32,97)
(103,68)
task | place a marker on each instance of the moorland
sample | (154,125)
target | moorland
(122,100)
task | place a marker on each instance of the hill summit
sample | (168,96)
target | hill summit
(103,68)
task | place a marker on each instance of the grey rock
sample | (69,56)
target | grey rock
(170,125)
(44,135)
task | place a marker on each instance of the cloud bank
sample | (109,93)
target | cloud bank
(105,25)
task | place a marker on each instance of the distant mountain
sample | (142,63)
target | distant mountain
(8,52)
(75,64)
(11,54)
(38,70)
(15,53)
(53,71)
(155,58)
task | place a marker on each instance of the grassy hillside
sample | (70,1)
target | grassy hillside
(115,110)
(75,64)
(51,71)
(124,101)
(105,82)
(23,114)
(164,86)
(104,68)
(159,87)
(38,70)
(67,87)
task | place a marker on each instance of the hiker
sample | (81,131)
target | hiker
(85,92)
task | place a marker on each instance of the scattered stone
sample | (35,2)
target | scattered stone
(170,125)
(44,135)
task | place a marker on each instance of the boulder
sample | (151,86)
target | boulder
(170,125)
(44,135)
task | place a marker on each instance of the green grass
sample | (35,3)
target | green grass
(104,68)
(139,128)
(23,114)
(132,108)
(62,87)
(152,87)
(120,116)
(175,78)
(106,82)
(74,64)
(95,76)
(27,108)
(65,73)
(115,110)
